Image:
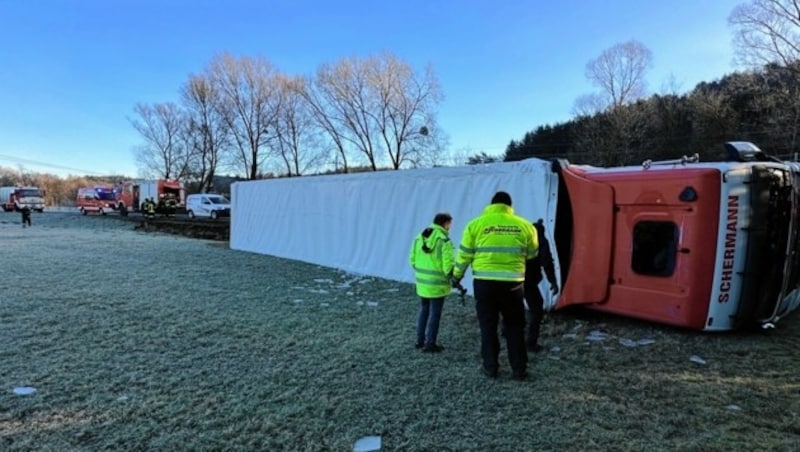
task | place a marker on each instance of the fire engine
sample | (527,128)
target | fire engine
(15,198)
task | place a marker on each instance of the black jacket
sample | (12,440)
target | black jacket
(543,259)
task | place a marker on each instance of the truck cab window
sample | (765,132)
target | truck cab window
(655,245)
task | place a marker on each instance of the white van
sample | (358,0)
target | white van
(208,205)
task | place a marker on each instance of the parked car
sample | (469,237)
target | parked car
(207,205)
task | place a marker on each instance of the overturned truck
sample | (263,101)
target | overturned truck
(708,246)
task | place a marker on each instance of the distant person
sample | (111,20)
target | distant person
(26,216)
(497,244)
(431,257)
(533,276)
(149,208)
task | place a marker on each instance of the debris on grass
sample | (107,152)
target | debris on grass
(24,390)
(596,336)
(368,444)
(733,407)
(372,303)
(631,343)
(696,359)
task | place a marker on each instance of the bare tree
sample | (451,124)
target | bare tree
(766,31)
(161,154)
(320,100)
(295,129)
(406,104)
(620,72)
(379,108)
(351,102)
(207,131)
(250,98)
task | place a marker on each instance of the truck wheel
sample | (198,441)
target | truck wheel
(83,211)
(214,214)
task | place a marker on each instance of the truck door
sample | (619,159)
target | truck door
(586,253)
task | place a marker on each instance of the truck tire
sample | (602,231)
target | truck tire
(83,211)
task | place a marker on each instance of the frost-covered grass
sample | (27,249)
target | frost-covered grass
(138,341)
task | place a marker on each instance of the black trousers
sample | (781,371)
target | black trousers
(535,312)
(495,298)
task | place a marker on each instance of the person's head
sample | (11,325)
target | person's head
(443,219)
(501,197)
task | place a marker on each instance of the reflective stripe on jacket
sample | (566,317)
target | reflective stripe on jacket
(431,258)
(497,243)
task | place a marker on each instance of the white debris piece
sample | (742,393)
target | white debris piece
(570,336)
(122,398)
(555,349)
(298,300)
(733,407)
(359,303)
(628,342)
(646,341)
(393,290)
(697,359)
(324,304)
(318,291)
(368,444)
(596,336)
(24,390)
(350,294)
(372,303)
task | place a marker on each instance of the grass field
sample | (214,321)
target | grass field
(138,341)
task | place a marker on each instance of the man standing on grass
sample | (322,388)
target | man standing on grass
(533,276)
(431,257)
(497,244)
(26,216)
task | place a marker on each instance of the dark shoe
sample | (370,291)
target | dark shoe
(432,348)
(520,375)
(491,373)
(419,345)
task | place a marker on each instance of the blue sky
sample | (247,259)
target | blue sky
(72,70)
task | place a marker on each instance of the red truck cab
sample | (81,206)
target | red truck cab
(707,246)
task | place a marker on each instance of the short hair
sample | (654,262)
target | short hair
(501,197)
(442,218)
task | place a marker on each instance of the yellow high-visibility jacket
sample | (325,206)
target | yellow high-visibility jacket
(431,257)
(496,243)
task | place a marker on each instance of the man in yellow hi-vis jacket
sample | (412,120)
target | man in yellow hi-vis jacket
(496,244)
(431,257)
